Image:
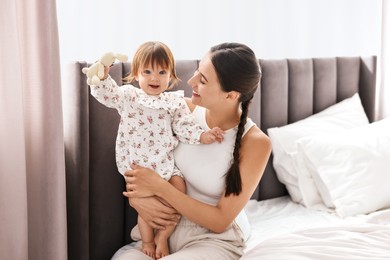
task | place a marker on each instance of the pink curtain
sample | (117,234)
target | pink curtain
(384,79)
(32,171)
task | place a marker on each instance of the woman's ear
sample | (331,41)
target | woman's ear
(233,95)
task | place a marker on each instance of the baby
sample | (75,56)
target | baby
(152,123)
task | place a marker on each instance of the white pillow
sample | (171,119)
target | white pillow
(351,168)
(346,114)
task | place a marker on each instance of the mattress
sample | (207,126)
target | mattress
(283,229)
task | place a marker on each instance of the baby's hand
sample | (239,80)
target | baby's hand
(106,71)
(215,134)
(95,73)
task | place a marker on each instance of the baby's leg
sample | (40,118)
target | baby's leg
(161,239)
(147,237)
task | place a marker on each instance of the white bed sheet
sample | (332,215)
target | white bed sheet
(283,229)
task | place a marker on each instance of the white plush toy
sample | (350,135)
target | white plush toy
(96,71)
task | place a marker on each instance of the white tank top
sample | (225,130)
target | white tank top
(204,166)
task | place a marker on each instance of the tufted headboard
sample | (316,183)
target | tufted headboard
(99,217)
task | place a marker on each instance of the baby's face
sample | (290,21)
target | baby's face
(154,80)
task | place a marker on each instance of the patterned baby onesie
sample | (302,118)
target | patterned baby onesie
(150,126)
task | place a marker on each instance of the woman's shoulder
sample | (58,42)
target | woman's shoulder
(256,139)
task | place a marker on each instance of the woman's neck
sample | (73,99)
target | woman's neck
(223,118)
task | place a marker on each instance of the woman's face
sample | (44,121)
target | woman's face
(206,89)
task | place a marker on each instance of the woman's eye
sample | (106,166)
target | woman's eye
(200,77)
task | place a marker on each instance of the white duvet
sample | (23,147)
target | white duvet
(282,229)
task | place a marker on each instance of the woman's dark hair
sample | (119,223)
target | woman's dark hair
(238,70)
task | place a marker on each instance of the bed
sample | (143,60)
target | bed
(308,205)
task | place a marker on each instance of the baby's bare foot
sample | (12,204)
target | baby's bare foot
(162,248)
(149,249)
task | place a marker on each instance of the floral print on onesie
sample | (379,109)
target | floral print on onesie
(150,126)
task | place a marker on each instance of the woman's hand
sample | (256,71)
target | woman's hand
(154,212)
(142,182)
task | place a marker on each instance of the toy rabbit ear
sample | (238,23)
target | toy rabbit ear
(121,57)
(107,54)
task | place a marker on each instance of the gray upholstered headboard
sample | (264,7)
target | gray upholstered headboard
(99,218)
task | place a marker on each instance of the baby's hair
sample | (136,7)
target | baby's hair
(238,70)
(153,53)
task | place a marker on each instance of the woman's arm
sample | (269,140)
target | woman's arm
(255,151)
(154,212)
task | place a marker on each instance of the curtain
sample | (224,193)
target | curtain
(32,168)
(384,79)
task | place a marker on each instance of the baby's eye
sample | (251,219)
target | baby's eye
(147,72)
(163,72)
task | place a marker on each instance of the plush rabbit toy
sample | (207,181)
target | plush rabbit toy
(96,71)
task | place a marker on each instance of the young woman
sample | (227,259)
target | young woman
(220,177)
